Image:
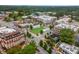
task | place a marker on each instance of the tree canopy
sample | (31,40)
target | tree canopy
(29,49)
(67,36)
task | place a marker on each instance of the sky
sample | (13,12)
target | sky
(40,2)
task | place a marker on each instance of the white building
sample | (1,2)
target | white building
(45,18)
(63,20)
(64,23)
(6,30)
(36,26)
(67,26)
(24,16)
(25,25)
(46,29)
(70,49)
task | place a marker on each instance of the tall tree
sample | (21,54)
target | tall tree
(67,36)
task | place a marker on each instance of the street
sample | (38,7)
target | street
(37,40)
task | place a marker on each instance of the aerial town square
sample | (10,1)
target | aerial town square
(39,29)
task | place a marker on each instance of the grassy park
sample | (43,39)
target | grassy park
(37,30)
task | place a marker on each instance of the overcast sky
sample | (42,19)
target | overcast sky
(39,2)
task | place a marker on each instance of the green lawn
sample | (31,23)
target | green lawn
(37,30)
(28,49)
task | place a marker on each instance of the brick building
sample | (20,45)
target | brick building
(10,37)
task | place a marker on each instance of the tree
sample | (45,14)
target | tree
(67,36)
(59,14)
(45,46)
(20,13)
(37,14)
(41,32)
(28,34)
(31,27)
(49,50)
(7,19)
(45,36)
(33,43)
(77,44)
(29,49)
(50,42)
(51,14)
(41,43)
(13,50)
(51,26)
(70,21)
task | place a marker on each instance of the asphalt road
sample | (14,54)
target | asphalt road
(37,40)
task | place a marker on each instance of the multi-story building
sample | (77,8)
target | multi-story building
(45,18)
(64,23)
(10,37)
(2,16)
(69,49)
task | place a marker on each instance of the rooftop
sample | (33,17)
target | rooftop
(6,30)
(8,33)
(71,49)
(63,23)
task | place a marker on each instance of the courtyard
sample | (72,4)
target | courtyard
(37,30)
